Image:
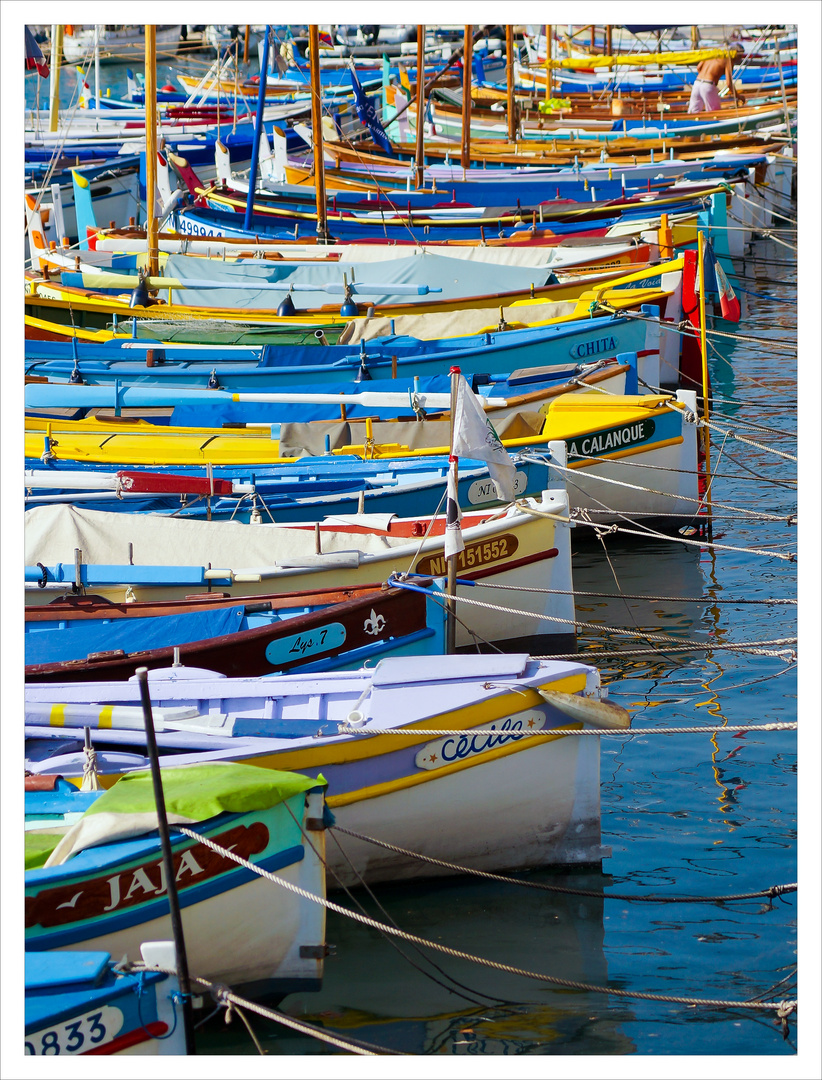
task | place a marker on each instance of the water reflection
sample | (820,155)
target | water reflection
(422,1002)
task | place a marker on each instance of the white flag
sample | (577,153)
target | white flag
(474,437)
(453,533)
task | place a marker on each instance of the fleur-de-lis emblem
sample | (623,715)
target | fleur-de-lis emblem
(375,624)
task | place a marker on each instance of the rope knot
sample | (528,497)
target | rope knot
(783,1013)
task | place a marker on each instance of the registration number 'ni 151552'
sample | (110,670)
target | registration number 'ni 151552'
(477,553)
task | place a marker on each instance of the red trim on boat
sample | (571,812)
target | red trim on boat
(132,1038)
(488,571)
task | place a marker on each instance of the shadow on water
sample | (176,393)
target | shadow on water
(422,1002)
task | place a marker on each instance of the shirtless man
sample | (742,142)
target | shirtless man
(704,96)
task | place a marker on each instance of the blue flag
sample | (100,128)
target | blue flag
(368,115)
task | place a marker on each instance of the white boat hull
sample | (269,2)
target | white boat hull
(546,810)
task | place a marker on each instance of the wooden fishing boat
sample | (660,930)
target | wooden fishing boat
(489,799)
(96,878)
(115,376)
(600,337)
(114,42)
(260,638)
(309,490)
(609,442)
(552,150)
(80,1003)
(527,546)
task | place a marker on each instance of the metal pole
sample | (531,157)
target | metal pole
(419,155)
(56,57)
(782,88)
(509,74)
(317,131)
(245,44)
(97,29)
(151,149)
(258,126)
(451,61)
(706,431)
(465,157)
(168,862)
(549,55)
(451,583)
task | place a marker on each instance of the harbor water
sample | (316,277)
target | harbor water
(693,815)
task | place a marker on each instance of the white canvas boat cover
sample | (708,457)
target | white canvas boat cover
(456,278)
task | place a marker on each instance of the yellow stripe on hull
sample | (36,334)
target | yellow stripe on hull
(465,719)
(425,776)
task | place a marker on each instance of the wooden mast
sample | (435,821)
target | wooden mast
(151,149)
(509,75)
(419,156)
(549,71)
(317,130)
(56,59)
(465,158)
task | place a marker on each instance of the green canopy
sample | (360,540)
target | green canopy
(198,792)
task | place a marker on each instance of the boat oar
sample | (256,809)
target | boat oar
(600,714)
(168,862)
(112,280)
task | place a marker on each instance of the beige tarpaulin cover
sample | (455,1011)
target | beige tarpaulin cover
(297,440)
(53,532)
(447,324)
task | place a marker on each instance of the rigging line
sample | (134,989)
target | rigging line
(590,651)
(749,442)
(774,213)
(766,296)
(539,459)
(773,198)
(665,639)
(686,330)
(507,879)
(602,733)
(763,260)
(495,965)
(648,533)
(366,165)
(395,944)
(732,601)
(698,501)
(790,484)
(750,424)
(757,212)
(57,153)
(389,919)
(717,356)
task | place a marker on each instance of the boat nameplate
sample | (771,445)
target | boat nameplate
(618,438)
(485,490)
(435,755)
(598,347)
(308,643)
(95,897)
